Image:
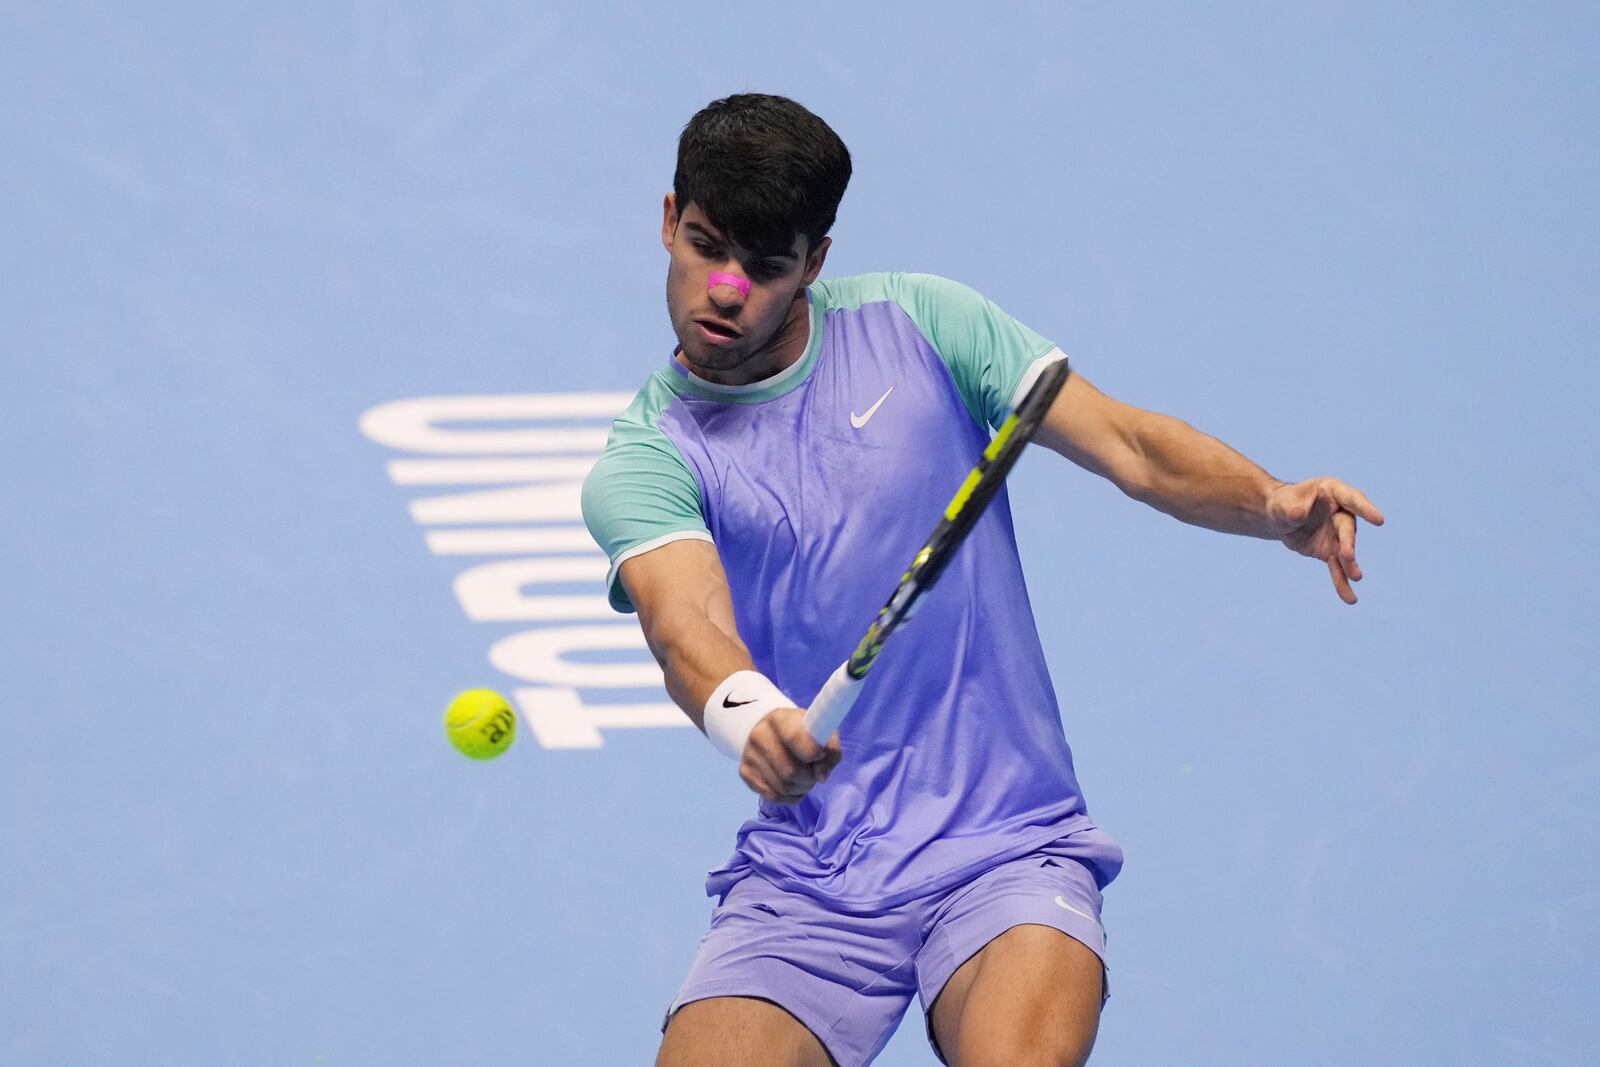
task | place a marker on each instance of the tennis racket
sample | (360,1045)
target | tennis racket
(839,693)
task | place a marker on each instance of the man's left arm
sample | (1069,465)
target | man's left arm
(1192,476)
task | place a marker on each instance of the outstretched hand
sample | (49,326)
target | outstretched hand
(1317,518)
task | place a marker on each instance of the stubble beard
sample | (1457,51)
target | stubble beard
(718,360)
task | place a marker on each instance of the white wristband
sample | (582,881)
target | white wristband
(743,699)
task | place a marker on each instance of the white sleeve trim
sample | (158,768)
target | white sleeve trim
(1031,375)
(649,546)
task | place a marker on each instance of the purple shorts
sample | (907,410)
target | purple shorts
(849,977)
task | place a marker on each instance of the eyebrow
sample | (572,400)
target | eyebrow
(719,239)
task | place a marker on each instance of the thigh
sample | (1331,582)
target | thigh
(736,1032)
(1032,995)
(1013,967)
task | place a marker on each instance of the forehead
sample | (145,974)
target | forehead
(695,220)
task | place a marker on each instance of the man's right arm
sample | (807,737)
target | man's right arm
(681,593)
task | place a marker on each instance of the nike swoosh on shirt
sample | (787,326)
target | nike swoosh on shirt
(859,421)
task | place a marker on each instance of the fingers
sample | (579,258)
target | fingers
(797,740)
(1312,500)
(1351,503)
(830,758)
(1319,519)
(780,759)
(1344,525)
(1341,580)
(1355,502)
(775,780)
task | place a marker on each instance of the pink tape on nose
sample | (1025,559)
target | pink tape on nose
(722,277)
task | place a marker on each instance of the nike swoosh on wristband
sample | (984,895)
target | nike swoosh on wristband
(859,421)
(727,702)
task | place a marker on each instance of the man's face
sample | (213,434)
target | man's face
(726,335)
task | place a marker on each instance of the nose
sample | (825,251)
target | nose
(727,290)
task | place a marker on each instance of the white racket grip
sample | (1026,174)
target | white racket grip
(838,696)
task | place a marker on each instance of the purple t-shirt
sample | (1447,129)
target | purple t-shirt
(817,487)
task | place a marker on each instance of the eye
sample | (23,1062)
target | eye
(768,269)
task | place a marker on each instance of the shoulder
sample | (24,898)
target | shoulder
(648,404)
(640,492)
(910,290)
(641,421)
(987,352)
(638,446)
(948,313)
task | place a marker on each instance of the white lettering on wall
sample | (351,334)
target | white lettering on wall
(507,590)
(525,457)
(547,656)
(559,719)
(419,425)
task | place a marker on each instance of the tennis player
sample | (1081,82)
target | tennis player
(758,500)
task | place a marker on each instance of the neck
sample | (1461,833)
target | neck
(782,351)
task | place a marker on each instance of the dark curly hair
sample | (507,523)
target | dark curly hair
(763,169)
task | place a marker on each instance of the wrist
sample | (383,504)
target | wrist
(742,699)
(1271,507)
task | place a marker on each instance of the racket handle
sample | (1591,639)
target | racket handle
(838,696)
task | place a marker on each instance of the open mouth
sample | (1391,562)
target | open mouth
(715,330)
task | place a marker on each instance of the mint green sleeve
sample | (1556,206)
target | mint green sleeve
(639,495)
(989,353)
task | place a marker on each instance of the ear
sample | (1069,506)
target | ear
(815,259)
(669,220)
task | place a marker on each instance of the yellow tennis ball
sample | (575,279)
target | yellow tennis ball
(480,723)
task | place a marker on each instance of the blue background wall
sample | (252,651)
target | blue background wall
(1346,238)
